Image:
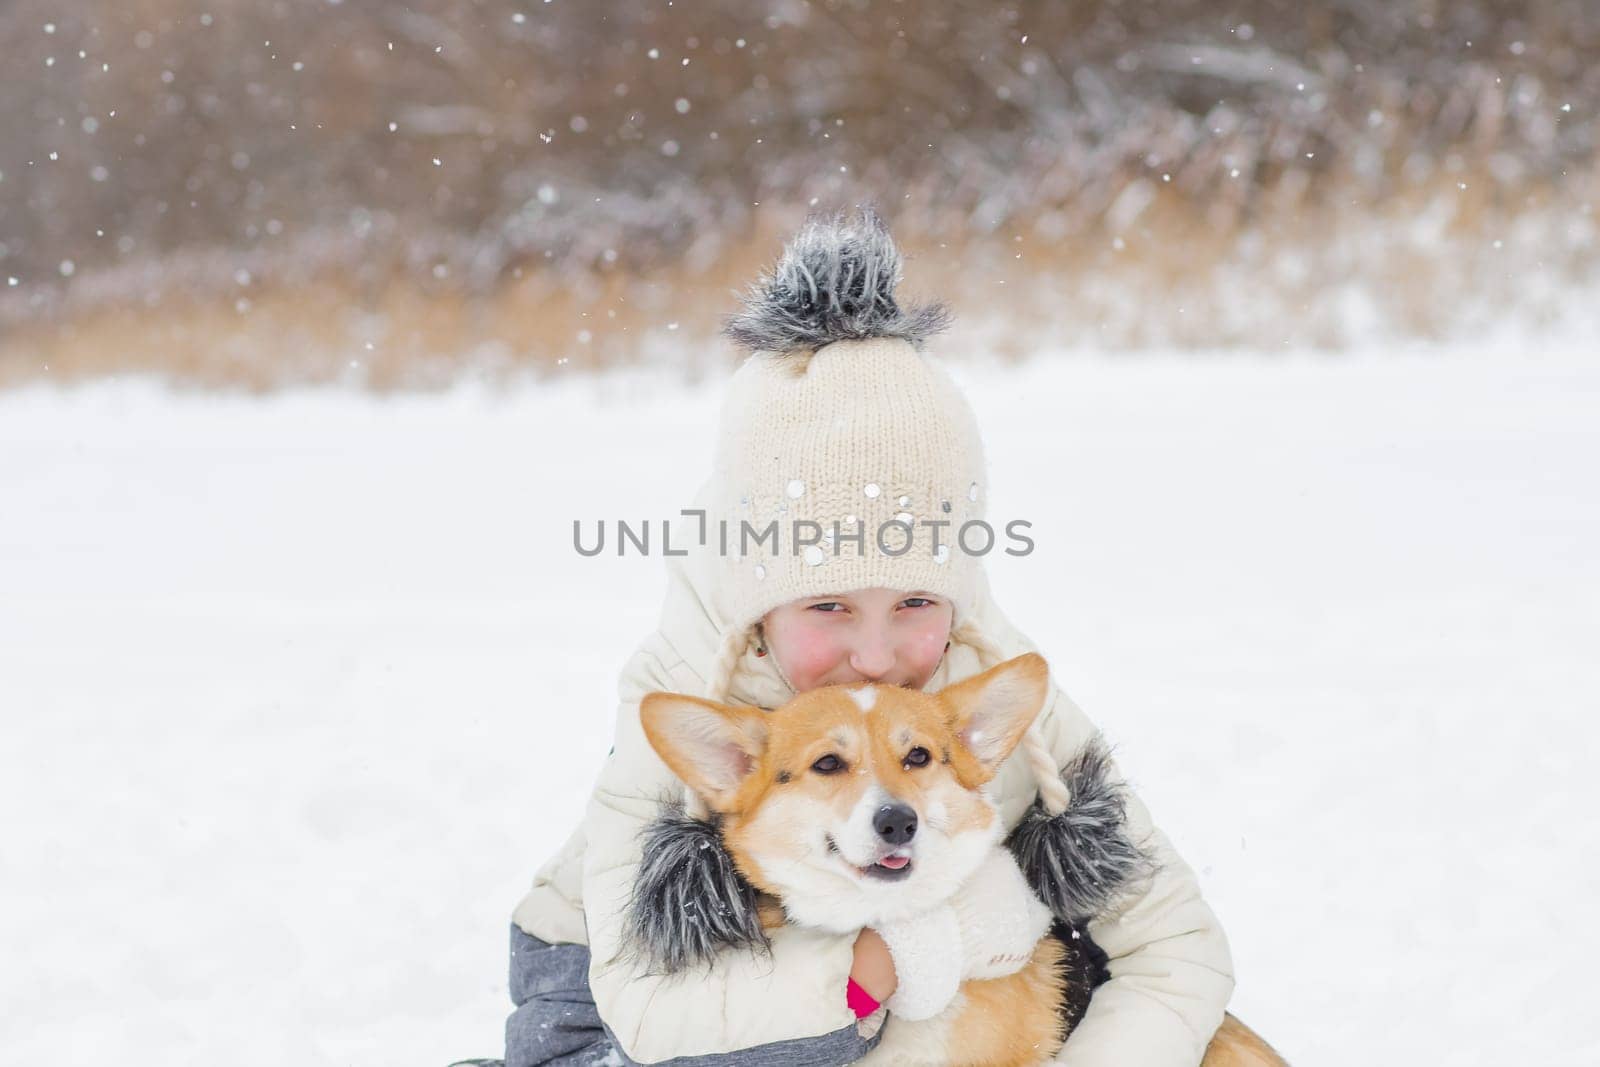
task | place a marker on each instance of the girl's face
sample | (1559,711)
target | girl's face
(870,635)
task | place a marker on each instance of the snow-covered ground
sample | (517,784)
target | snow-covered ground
(297,692)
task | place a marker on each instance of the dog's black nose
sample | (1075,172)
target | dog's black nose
(895,823)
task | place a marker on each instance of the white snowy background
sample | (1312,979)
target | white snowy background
(297,692)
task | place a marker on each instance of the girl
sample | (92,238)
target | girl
(864,457)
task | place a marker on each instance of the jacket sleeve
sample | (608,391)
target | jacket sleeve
(787,1006)
(1171,970)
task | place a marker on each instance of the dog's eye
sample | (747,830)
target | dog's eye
(917,757)
(829,764)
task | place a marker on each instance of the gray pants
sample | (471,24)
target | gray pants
(556,1022)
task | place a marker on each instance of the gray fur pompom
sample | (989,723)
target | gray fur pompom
(834,282)
(1080,861)
(689,901)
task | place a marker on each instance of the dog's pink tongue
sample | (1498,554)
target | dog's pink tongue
(894,863)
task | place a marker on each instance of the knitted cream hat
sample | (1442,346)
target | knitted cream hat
(855,459)
(853,452)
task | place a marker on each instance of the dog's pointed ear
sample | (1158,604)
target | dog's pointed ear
(712,747)
(990,712)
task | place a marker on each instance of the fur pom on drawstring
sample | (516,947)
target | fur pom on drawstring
(689,900)
(1081,860)
(834,281)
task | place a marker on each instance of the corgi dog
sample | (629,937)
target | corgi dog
(862,806)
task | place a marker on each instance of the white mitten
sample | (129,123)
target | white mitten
(1000,918)
(927,962)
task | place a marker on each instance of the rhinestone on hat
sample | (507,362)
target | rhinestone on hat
(871,490)
(944,506)
(761,572)
(941,554)
(904,501)
(972,492)
(813,556)
(797,489)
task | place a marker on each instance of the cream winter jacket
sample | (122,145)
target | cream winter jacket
(1171,973)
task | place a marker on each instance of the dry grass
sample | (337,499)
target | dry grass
(395,336)
(1301,269)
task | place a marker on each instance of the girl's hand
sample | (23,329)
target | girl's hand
(873,968)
